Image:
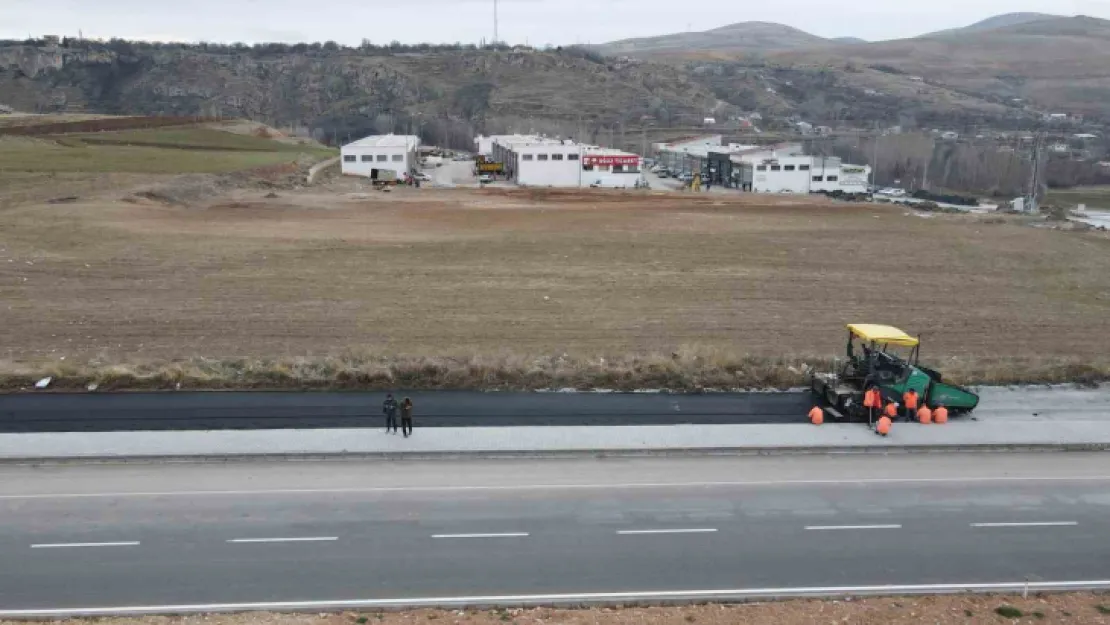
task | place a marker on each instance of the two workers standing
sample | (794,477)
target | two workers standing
(390,408)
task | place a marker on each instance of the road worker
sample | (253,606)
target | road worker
(816,416)
(883,428)
(924,415)
(940,415)
(909,401)
(891,411)
(873,402)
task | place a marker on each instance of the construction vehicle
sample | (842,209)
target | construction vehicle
(694,182)
(485,166)
(877,364)
(383,177)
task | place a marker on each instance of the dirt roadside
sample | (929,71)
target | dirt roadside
(1071,609)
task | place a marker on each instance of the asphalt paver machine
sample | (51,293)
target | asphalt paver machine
(888,358)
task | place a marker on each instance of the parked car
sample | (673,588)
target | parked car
(423,177)
(663,173)
(485,179)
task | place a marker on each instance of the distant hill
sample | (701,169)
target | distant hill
(451,92)
(849,40)
(1061,63)
(742,37)
(999,21)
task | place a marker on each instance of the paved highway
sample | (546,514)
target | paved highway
(257,411)
(78,537)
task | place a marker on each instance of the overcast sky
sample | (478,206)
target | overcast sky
(536,22)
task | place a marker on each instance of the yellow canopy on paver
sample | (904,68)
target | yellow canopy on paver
(882,334)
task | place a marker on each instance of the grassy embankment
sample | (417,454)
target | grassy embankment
(1095,198)
(181,150)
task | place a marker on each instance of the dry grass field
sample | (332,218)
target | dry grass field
(532,288)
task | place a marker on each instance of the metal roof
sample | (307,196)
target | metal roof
(882,334)
(386,141)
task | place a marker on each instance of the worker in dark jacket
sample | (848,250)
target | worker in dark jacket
(406,417)
(389,409)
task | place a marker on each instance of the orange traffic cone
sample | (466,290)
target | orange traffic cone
(816,416)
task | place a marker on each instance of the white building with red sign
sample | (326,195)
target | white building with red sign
(534,161)
(610,168)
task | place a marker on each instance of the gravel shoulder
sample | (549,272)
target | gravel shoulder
(1071,608)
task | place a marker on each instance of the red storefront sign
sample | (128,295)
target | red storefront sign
(610,160)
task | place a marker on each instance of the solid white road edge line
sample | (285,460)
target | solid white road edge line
(665,531)
(67,545)
(507,535)
(601,597)
(306,539)
(1030,524)
(516,487)
(853,527)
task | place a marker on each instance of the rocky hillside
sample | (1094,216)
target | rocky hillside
(447,93)
(1058,65)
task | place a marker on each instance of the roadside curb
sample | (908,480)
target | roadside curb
(572,600)
(561,454)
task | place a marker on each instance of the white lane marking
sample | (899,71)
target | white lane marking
(507,535)
(68,545)
(305,539)
(437,489)
(706,530)
(598,597)
(853,527)
(1031,524)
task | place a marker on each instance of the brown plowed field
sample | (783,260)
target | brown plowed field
(534,272)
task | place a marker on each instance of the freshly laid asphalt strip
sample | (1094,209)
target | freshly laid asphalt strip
(266,411)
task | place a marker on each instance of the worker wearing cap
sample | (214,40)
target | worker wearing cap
(940,415)
(909,401)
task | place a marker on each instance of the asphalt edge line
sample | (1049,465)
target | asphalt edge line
(559,454)
(577,599)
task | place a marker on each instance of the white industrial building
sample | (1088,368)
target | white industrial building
(394,152)
(781,168)
(794,173)
(483,145)
(535,161)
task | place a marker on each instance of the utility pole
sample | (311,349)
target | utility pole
(875,162)
(928,161)
(495,25)
(1035,183)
